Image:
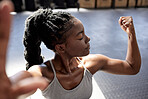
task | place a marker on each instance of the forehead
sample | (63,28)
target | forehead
(76,28)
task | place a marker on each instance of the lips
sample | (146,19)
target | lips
(88,47)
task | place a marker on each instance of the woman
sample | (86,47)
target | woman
(69,73)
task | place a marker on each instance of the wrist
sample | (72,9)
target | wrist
(131,36)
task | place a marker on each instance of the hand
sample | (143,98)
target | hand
(126,24)
(7,89)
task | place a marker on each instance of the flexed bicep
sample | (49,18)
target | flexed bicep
(117,66)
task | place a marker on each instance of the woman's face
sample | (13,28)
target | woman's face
(77,44)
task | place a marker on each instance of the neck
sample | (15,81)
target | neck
(63,62)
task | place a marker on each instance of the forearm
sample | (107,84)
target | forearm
(133,54)
(133,58)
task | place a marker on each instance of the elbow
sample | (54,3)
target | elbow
(137,66)
(133,72)
(134,67)
(136,70)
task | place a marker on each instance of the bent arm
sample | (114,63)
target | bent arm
(132,63)
(9,89)
(133,57)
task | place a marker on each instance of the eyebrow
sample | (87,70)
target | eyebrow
(79,33)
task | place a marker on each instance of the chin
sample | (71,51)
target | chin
(85,54)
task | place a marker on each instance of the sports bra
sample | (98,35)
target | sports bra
(55,90)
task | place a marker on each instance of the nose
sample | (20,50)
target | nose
(87,39)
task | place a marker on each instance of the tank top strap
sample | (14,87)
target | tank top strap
(52,67)
(81,63)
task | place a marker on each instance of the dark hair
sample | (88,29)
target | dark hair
(44,25)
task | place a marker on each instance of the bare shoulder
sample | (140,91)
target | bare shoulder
(44,70)
(35,71)
(94,62)
(94,58)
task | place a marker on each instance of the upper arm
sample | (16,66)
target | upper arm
(104,63)
(26,82)
(117,66)
(20,76)
(93,62)
(34,71)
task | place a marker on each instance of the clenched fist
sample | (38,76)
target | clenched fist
(126,23)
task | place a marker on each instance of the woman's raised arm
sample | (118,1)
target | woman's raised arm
(131,65)
(9,90)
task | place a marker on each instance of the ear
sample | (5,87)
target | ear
(60,48)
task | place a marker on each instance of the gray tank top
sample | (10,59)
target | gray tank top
(82,91)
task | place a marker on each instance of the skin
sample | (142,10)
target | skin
(9,90)
(68,69)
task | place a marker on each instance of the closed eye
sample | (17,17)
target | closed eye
(81,38)
(80,35)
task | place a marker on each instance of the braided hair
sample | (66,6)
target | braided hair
(45,26)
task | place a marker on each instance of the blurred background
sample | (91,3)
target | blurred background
(100,20)
(32,5)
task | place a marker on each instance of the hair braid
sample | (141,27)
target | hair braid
(44,25)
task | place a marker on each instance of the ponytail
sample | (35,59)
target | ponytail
(32,44)
(47,27)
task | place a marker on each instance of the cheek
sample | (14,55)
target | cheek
(76,47)
(79,45)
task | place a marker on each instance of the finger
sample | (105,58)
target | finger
(124,21)
(5,22)
(124,27)
(5,18)
(120,21)
(28,85)
(128,22)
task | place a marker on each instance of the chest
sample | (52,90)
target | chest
(70,88)
(67,81)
